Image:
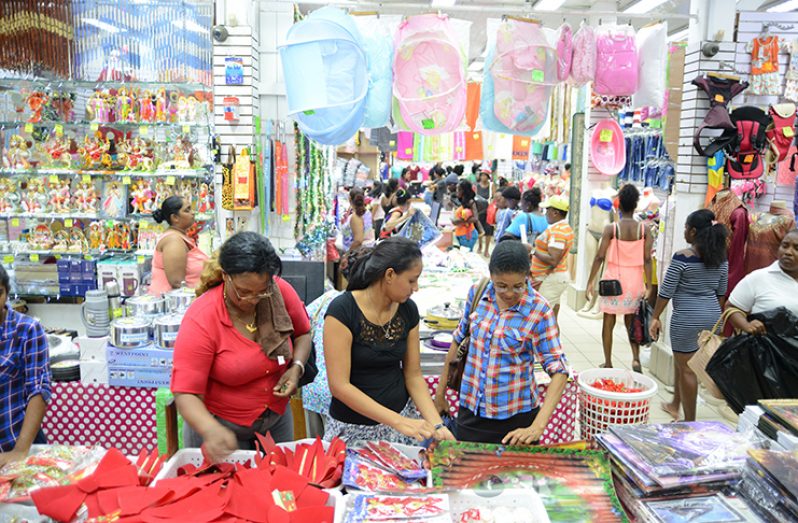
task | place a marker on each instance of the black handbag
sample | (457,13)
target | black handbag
(609,288)
(311,369)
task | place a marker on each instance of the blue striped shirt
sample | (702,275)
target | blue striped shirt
(24,373)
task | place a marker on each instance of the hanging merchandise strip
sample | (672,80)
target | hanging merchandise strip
(36,37)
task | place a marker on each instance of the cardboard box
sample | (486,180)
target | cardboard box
(145,357)
(91,349)
(144,377)
(94,372)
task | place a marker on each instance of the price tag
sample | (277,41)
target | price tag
(392,143)
(126,180)
(28,127)
(605,135)
(86,178)
(170,180)
(537,75)
(408,151)
(57,256)
(428,123)
(524,143)
(95,127)
(52,178)
(789,132)
(88,257)
(749,158)
(68,222)
(475,136)
(186,129)
(458,149)
(286,218)
(14,222)
(8,258)
(719,98)
(34,257)
(712,161)
(59,130)
(144,130)
(140,260)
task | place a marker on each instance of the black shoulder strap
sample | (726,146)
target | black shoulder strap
(480,291)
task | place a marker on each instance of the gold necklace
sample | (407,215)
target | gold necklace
(252,326)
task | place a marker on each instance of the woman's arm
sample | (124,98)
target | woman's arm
(417,386)
(356,224)
(397,218)
(338,356)
(475,218)
(34,414)
(601,255)
(175,255)
(289,381)
(740,322)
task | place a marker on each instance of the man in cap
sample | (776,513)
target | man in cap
(549,259)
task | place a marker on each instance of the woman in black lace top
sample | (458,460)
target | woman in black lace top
(371,347)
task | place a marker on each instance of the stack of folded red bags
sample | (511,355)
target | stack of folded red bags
(281,487)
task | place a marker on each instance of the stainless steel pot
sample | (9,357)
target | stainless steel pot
(178,300)
(130,333)
(145,306)
(164,329)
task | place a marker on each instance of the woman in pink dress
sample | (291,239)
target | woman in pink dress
(626,248)
(177,259)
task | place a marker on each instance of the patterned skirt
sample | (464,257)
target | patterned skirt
(350,432)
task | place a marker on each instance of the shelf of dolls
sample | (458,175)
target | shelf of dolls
(50,215)
(164,173)
(60,85)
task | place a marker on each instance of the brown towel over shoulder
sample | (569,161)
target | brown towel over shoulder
(274,326)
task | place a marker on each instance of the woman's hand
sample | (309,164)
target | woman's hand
(755,327)
(590,292)
(444,434)
(654,328)
(11,456)
(288,383)
(218,443)
(414,428)
(525,436)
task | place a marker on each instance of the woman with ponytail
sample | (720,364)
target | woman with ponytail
(177,259)
(696,282)
(357,228)
(372,352)
(241,350)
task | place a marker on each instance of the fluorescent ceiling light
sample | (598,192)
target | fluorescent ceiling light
(443,3)
(549,5)
(783,7)
(643,6)
(679,36)
(102,25)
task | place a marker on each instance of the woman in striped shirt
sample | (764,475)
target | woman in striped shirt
(696,282)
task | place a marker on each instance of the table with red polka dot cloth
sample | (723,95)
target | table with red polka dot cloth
(121,417)
(562,425)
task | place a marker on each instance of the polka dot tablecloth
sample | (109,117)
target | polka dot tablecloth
(121,417)
(562,425)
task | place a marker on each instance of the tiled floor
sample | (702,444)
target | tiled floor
(582,340)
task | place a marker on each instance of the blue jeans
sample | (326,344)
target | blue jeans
(468,241)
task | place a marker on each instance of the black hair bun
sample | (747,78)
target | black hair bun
(157,215)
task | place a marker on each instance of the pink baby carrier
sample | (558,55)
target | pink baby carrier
(583,64)
(616,62)
(429,76)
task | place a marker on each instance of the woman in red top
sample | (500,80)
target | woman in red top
(241,350)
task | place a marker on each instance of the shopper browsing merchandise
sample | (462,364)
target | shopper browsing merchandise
(508,209)
(768,288)
(371,348)
(530,223)
(24,380)
(510,326)
(466,217)
(550,257)
(696,282)
(357,229)
(398,215)
(626,246)
(241,350)
(177,259)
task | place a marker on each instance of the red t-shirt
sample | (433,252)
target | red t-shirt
(212,359)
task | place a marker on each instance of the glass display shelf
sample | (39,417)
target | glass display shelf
(60,84)
(54,171)
(144,128)
(52,216)
(8,255)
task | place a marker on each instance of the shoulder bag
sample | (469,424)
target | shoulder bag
(454,378)
(708,344)
(612,287)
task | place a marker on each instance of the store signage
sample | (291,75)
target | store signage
(233,70)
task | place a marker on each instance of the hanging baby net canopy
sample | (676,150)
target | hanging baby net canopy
(429,79)
(326,76)
(520,74)
(378,46)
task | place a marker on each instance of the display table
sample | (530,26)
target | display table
(121,417)
(562,425)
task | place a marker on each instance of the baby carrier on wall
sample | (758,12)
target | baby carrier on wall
(747,159)
(720,91)
(780,134)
